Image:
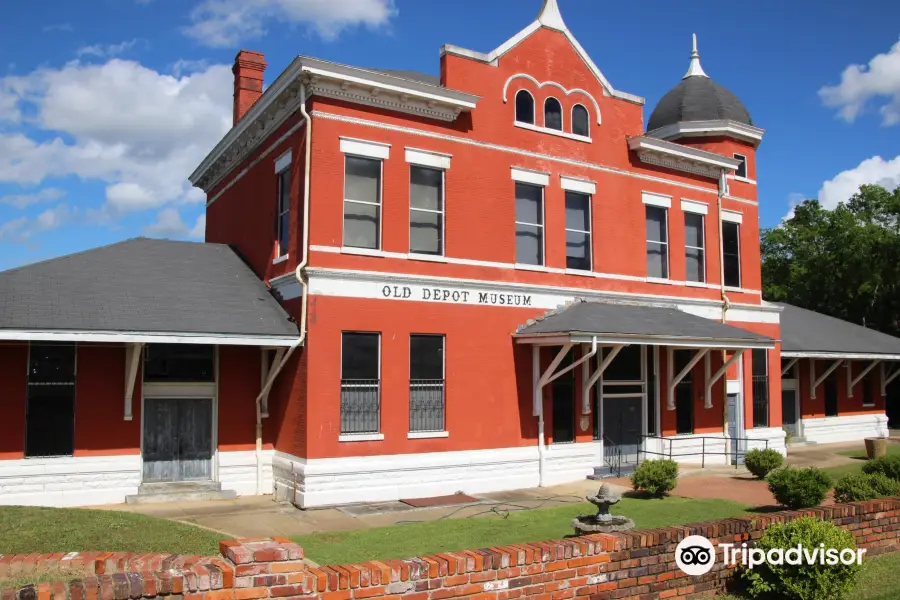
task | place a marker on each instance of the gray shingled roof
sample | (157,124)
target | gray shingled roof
(698,98)
(143,285)
(600,318)
(811,332)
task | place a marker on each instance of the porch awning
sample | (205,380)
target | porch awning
(143,291)
(808,334)
(612,324)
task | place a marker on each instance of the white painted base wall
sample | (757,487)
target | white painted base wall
(830,430)
(237,471)
(774,435)
(69,481)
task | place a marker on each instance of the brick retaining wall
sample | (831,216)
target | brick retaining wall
(637,564)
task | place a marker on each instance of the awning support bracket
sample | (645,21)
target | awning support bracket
(858,378)
(674,381)
(886,378)
(551,374)
(266,375)
(595,377)
(132,361)
(710,381)
(817,381)
(789,366)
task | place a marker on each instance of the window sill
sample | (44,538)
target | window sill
(538,268)
(556,132)
(579,272)
(363,252)
(427,257)
(737,290)
(661,281)
(361,437)
(281,259)
(868,406)
(744,180)
(427,435)
(696,284)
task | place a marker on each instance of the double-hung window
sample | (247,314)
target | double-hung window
(529,224)
(360,383)
(694,247)
(426,201)
(283,209)
(50,404)
(657,242)
(426,384)
(363,163)
(578,231)
(760,360)
(731,248)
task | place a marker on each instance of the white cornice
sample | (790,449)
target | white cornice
(726,127)
(682,158)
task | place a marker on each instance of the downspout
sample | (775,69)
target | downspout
(304,260)
(723,187)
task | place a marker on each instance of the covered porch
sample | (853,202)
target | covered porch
(641,381)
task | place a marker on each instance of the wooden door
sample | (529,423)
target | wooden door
(177,442)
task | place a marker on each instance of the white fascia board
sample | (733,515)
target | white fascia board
(840,355)
(624,339)
(712,127)
(426,158)
(691,206)
(131,337)
(365,148)
(684,152)
(656,199)
(283,162)
(732,216)
(582,186)
(532,177)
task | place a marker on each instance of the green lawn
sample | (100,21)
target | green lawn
(419,539)
(30,529)
(856,466)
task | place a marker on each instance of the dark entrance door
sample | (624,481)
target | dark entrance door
(831,396)
(563,410)
(177,439)
(789,411)
(622,425)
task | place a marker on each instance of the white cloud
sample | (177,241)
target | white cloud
(169,224)
(861,83)
(875,170)
(794,199)
(106,50)
(139,131)
(23,228)
(25,200)
(225,23)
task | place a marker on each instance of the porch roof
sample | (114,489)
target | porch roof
(808,334)
(583,321)
(143,291)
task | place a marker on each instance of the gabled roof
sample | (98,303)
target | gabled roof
(141,290)
(807,333)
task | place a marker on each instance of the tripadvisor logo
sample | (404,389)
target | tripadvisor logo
(695,555)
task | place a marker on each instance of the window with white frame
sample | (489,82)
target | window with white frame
(426,383)
(657,242)
(283,212)
(360,383)
(731,252)
(578,231)
(553,114)
(362,202)
(581,121)
(524,107)
(694,247)
(741,171)
(426,210)
(529,224)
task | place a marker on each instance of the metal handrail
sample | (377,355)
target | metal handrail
(612,456)
(736,452)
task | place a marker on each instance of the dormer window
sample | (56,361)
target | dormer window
(553,114)
(524,107)
(581,121)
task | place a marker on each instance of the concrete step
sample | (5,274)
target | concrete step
(799,441)
(180,491)
(606,472)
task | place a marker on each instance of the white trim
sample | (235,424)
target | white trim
(426,158)
(706,128)
(363,252)
(732,216)
(427,435)
(700,208)
(840,355)
(522,152)
(850,428)
(682,152)
(126,337)
(281,259)
(365,148)
(742,179)
(528,176)
(237,471)
(660,200)
(361,437)
(541,84)
(283,162)
(581,186)
(550,131)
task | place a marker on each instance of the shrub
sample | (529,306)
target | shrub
(799,488)
(854,488)
(762,462)
(889,466)
(656,477)
(804,581)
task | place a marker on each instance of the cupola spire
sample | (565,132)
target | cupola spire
(695,70)
(551,17)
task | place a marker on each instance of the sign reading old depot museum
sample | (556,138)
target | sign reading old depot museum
(454,295)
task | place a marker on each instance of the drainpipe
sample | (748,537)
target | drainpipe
(723,186)
(304,260)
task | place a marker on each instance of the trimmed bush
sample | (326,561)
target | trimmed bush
(855,488)
(799,488)
(762,462)
(656,477)
(889,466)
(804,581)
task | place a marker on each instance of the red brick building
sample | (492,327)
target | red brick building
(497,278)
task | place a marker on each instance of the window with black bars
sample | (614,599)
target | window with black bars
(360,383)
(684,394)
(427,411)
(760,387)
(50,405)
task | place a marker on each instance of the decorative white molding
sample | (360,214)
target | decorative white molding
(560,87)
(556,132)
(734,129)
(656,199)
(529,176)
(681,158)
(829,430)
(551,17)
(732,216)
(427,435)
(573,184)
(283,162)
(426,158)
(365,148)
(691,206)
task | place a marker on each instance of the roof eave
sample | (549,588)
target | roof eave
(726,127)
(148,337)
(584,337)
(831,355)
(662,153)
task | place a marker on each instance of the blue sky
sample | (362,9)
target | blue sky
(106,106)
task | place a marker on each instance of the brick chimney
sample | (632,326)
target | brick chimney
(248,81)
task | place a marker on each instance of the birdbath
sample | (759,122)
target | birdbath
(602,522)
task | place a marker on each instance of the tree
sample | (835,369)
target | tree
(843,262)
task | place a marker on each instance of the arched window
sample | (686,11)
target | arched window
(553,114)
(580,121)
(524,107)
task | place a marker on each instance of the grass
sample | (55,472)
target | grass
(424,538)
(855,468)
(25,529)
(44,576)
